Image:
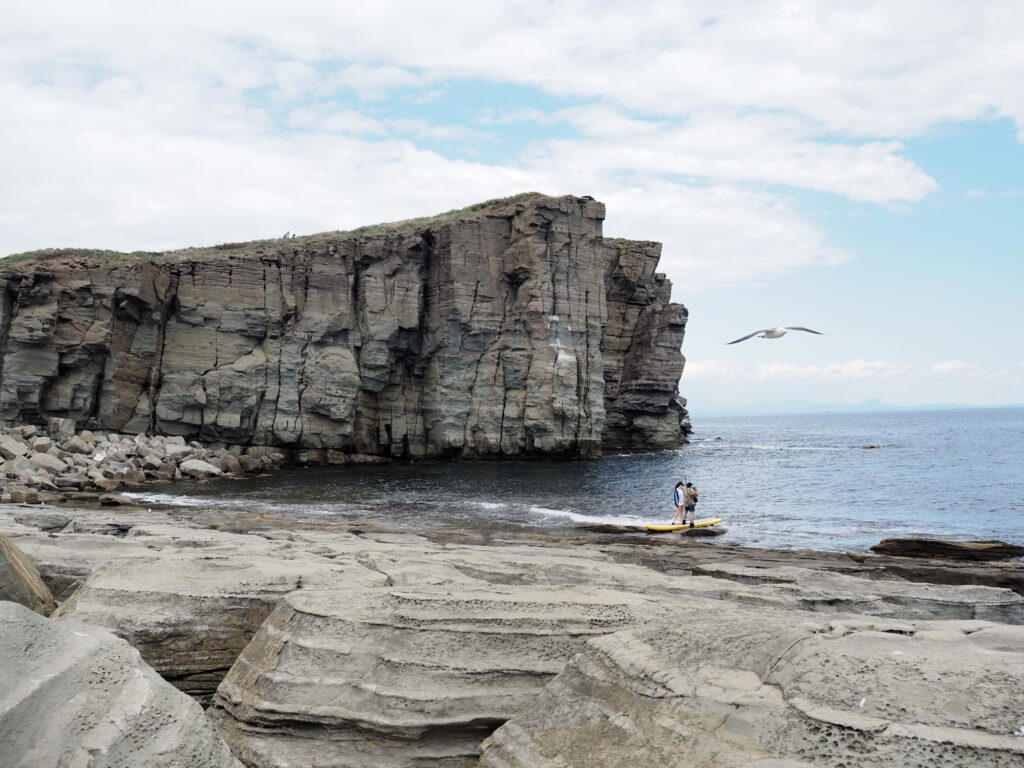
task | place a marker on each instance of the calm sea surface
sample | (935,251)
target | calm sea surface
(824,481)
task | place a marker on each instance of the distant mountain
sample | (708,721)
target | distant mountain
(764,408)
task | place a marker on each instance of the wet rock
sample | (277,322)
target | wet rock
(20,581)
(116,500)
(954,550)
(72,694)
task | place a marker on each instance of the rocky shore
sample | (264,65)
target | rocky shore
(59,465)
(346,645)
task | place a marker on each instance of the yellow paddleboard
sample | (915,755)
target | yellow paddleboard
(670,528)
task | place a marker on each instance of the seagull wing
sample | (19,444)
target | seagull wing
(801,328)
(749,335)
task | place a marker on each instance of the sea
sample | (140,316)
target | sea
(828,481)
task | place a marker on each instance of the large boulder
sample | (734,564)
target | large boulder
(75,695)
(20,581)
(404,676)
(717,687)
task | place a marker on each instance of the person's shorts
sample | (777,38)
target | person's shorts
(691,508)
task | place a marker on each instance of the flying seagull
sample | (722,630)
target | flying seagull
(774,333)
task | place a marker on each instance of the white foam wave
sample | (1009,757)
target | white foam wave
(490,504)
(176,501)
(576,517)
(766,447)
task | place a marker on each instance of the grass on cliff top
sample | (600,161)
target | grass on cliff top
(405,226)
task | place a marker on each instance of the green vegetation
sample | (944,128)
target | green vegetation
(404,227)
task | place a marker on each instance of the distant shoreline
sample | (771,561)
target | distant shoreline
(833,409)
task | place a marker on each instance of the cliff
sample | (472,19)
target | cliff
(509,328)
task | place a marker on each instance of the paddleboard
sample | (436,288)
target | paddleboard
(669,528)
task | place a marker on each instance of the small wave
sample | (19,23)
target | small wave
(765,447)
(577,517)
(176,501)
(489,504)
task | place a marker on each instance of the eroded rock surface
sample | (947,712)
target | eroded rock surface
(393,648)
(75,695)
(20,581)
(404,676)
(511,328)
(714,687)
(191,615)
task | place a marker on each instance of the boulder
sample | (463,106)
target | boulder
(232,465)
(41,444)
(199,468)
(714,687)
(20,581)
(403,676)
(174,451)
(10,448)
(77,445)
(75,695)
(50,463)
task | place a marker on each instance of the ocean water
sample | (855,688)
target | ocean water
(825,481)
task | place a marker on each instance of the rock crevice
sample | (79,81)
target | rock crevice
(513,328)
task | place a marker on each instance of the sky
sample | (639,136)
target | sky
(854,167)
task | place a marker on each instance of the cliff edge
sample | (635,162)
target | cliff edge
(506,329)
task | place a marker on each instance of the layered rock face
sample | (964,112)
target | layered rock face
(392,677)
(510,329)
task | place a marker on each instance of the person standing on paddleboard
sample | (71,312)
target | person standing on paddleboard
(677,499)
(689,503)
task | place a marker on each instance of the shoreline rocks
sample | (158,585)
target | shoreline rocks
(359,645)
(64,466)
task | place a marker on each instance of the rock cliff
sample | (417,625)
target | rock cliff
(510,328)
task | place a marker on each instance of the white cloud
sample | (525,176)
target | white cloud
(851,369)
(737,147)
(198,123)
(714,370)
(951,366)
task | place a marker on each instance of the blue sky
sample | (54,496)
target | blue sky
(854,167)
